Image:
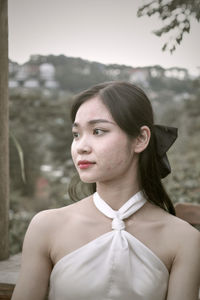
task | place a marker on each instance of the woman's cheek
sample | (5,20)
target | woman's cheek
(73,152)
(114,161)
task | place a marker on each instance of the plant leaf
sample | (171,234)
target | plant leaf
(21,156)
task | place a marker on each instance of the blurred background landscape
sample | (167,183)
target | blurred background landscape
(41,92)
(42,86)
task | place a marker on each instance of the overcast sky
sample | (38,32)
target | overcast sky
(106,31)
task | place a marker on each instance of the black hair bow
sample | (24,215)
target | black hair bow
(165,137)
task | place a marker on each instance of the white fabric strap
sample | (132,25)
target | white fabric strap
(129,208)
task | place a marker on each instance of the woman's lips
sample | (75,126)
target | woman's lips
(84,164)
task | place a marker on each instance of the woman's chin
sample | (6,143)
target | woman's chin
(87,180)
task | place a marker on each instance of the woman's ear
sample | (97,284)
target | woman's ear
(143,139)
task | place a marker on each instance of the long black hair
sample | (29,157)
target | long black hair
(131,109)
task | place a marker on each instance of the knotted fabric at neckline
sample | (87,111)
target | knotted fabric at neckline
(129,208)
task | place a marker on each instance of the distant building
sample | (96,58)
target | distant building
(113,73)
(12,83)
(33,70)
(156,72)
(176,73)
(51,84)
(47,71)
(182,96)
(23,73)
(13,68)
(140,75)
(37,57)
(31,83)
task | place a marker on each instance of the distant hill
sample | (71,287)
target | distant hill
(76,74)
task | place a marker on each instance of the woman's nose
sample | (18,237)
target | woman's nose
(83,147)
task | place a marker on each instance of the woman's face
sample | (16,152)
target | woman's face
(101,151)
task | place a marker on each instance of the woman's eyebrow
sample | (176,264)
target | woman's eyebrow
(95,121)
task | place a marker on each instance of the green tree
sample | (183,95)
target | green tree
(176,16)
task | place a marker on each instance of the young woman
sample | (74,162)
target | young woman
(123,241)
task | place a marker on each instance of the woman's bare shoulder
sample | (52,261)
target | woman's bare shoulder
(170,221)
(173,228)
(48,219)
(180,231)
(180,224)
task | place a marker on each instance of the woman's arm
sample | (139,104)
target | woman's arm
(184,280)
(36,264)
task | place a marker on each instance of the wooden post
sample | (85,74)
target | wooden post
(4,167)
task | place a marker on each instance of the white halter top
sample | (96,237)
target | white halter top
(114,266)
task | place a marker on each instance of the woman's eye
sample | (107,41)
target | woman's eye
(98,131)
(75,134)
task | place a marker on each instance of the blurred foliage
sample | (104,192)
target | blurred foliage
(18,226)
(176,16)
(184,182)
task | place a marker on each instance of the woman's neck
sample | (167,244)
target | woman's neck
(116,194)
